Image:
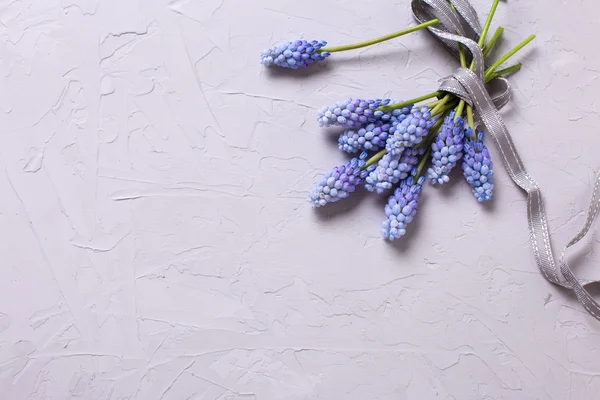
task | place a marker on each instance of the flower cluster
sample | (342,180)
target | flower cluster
(409,138)
(371,126)
(295,54)
(399,138)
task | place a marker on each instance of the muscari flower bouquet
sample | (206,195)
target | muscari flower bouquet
(401,144)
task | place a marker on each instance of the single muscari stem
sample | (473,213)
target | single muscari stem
(441,104)
(505,71)
(490,44)
(488,22)
(459,109)
(470,119)
(380,39)
(448,107)
(461,55)
(486,27)
(423,162)
(508,55)
(411,101)
(434,103)
(374,159)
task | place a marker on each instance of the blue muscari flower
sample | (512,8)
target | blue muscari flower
(477,166)
(401,208)
(372,136)
(409,131)
(392,169)
(446,150)
(340,182)
(353,113)
(294,54)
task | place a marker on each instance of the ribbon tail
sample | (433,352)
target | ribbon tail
(538,222)
(469,86)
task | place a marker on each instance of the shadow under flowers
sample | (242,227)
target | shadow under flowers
(458,188)
(343,207)
(315,69)
(332,137)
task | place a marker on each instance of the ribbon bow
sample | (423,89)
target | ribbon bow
(469,86)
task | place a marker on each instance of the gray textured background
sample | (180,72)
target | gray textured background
(155,239)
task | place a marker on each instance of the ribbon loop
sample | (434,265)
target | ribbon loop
(469,15)
(469,86)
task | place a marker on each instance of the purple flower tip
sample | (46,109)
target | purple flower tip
(295,54)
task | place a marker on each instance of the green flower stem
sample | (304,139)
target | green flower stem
(380,39)
(375,159)
(461,54)
(441,104)
(452,103)
(423,162)
(411,101)
(486,27)
(434,103)
(490,44)
(470,120)
(505,71)
(459,109)
(508,55)
(488,22)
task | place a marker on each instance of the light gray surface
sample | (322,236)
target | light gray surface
(156,242)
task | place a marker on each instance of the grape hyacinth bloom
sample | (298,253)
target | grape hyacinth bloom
(446,150)
(392,169)
(370,137)
(477,166)
(401,208)
(294,54)
(352,113)
(340,182)
(410,131)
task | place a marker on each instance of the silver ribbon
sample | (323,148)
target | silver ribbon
(468,85)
